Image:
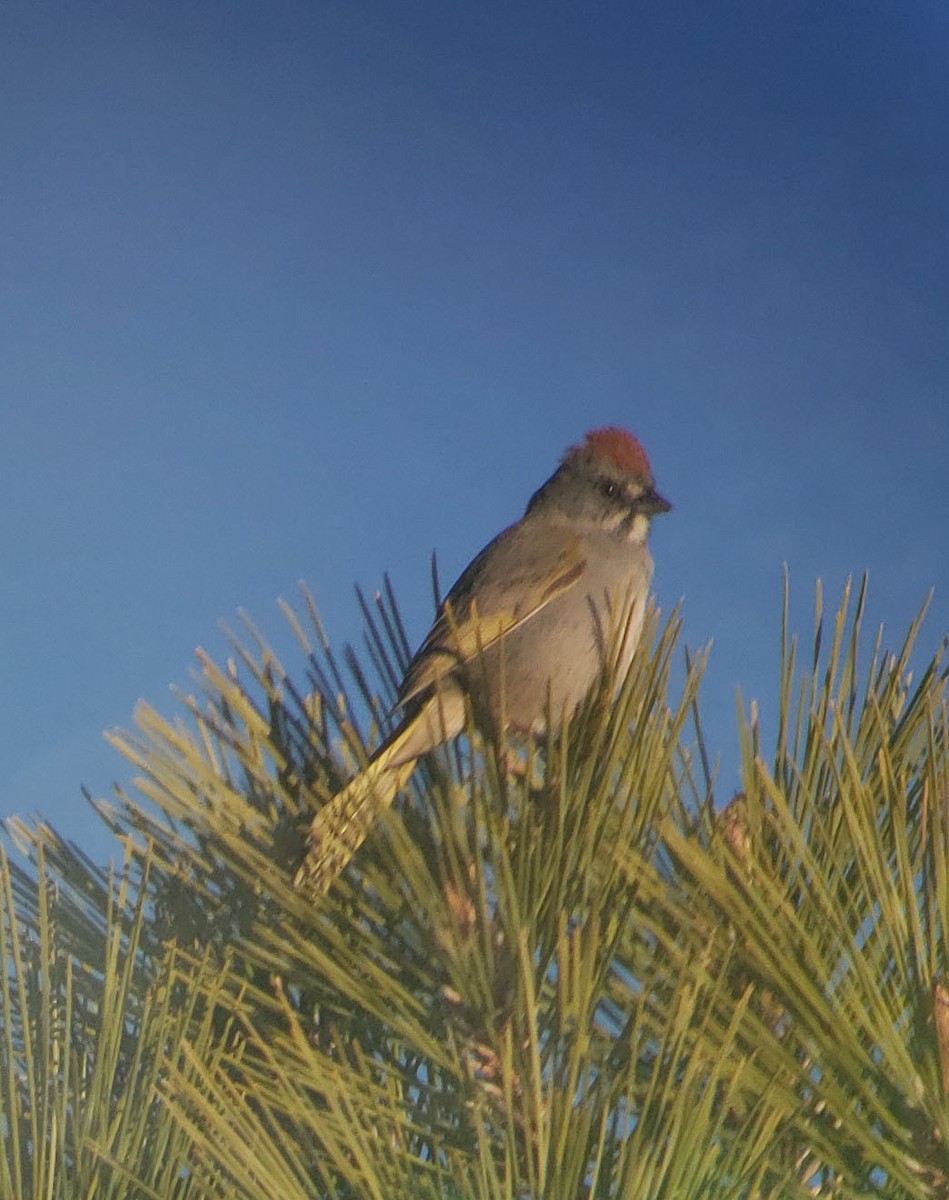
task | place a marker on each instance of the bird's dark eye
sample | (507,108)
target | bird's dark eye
(609,489)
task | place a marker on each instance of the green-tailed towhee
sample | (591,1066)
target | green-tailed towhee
(533,622)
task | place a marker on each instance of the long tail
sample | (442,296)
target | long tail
(340,827)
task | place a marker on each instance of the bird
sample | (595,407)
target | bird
(524,634)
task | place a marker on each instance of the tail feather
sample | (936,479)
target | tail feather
(340,827)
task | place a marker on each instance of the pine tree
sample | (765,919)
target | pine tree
(554,970)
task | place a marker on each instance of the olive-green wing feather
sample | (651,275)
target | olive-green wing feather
(465,628)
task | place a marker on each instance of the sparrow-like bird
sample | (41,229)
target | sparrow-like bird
(533,622)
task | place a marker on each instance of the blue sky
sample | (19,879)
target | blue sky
(305,290)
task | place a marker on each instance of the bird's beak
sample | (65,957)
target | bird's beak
(651,503)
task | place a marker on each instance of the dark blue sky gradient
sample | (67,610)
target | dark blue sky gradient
(304,290)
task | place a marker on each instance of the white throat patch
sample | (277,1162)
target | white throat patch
(639,530)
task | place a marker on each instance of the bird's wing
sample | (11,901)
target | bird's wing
(466,627)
